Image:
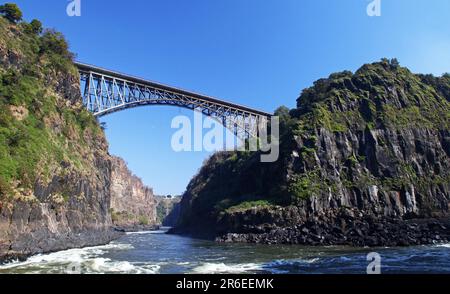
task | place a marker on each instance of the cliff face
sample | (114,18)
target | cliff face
(168,210)
(363,157)
(133,205)
(54,163)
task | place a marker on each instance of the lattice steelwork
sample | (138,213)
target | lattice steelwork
(105,92)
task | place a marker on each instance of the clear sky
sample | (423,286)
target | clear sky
(252,52)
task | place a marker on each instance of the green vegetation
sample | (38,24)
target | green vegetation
(165,206)
(305,185)
(115,216)
(160,212)
(54,42)
(326,143)
(360,100)
(323,117)
(143,220)
(11,12)
(40,130)
(36,26)
(124,217)
(249,205)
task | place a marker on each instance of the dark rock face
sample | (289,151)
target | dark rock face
(168,210)
(39,228)
(172,217)
(337,227)
(364,161)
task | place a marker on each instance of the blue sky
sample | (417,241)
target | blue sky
(253,52)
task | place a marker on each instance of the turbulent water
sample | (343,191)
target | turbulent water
(158,253)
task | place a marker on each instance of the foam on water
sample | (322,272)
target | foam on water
(222,268)
(163,230)
(153,252)
(444,245)
(287,262)
(84,260)
(142,233)
(283,266)
(106,265)
(275,266)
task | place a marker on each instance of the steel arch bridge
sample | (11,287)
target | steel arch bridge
(105,91)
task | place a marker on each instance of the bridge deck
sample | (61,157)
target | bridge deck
(91,68)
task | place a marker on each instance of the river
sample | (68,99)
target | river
(158,253)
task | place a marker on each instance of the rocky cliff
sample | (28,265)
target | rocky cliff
(168,210)
(133,205)
(54,162)
(364,161)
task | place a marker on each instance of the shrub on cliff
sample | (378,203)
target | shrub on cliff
(54,42)
(11,12)
(40,129)
(33,28)
(36,26)
(143,220)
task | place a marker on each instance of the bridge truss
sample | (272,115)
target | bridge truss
(106,91)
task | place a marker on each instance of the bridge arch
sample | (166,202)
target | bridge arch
(105,91)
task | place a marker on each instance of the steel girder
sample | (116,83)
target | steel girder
(105,92)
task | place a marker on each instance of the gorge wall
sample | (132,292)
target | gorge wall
(54,162)
(168,210)
(59,187)
(364,160)
(133,205)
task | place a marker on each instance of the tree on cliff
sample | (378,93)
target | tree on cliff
(36,26)
(11,12)
(283,113)
(53,41)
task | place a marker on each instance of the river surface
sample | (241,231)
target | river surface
(158,253)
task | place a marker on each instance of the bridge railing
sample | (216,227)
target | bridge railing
(105,92)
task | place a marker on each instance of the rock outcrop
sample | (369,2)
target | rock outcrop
(168,210)
(54,163)
(364,160)
(133,205)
